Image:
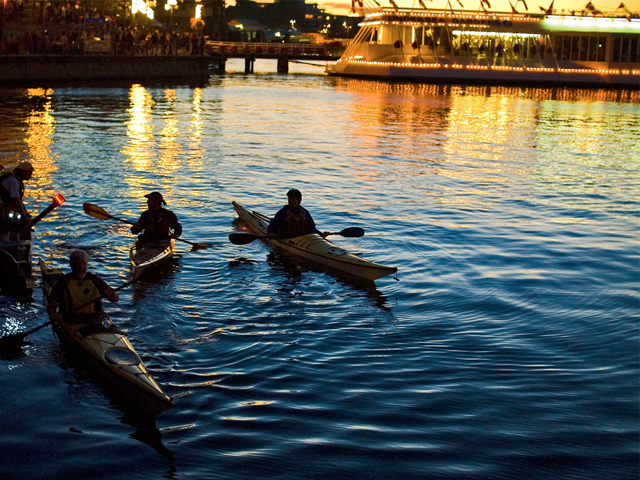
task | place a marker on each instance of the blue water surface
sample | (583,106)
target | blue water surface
(507,347)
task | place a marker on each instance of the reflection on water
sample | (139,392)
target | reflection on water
(170,150)
(417,90)
(148,433)
(38,139)
(140,132)
(294,269)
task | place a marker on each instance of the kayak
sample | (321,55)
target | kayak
(150,255)
(102,343)
(315,248)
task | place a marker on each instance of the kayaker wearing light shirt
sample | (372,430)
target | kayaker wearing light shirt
(292,220)
(78,294)
(158,223)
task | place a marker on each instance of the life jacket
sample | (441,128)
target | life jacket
(156,228)
(78,293)
(294,223)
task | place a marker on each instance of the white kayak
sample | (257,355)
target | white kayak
(315,248)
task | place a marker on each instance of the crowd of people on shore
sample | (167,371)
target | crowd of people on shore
(131,41)
(70,30)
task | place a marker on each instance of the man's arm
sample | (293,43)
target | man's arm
(136,228)
(311,225)
(104,289)
(175,224)
(274,226)
(53,301)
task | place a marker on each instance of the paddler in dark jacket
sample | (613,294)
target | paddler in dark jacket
(157,223)
(13,214)
(292,220)
(78,294)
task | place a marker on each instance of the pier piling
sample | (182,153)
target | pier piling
(283,65)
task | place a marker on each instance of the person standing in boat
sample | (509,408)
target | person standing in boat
(157,223)
(79,292)
(293,219)
(13,214)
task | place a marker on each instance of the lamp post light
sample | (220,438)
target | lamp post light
(169,6)
(293,24)
(348,27)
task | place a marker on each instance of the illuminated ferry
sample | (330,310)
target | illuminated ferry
(455,46)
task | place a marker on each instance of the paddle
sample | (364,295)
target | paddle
(97,212)
(15,341)
(242,238)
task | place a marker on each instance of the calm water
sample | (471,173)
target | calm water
(508,347)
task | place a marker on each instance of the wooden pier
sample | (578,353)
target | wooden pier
(283,53)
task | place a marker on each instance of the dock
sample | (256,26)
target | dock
(283,53)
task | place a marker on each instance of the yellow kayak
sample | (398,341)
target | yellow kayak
(105,346)
(315,248)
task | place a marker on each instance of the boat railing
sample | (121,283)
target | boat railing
(257,48)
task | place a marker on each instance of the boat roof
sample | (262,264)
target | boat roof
(459,18)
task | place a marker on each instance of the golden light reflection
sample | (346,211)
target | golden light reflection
(488,138)
(466,130)
(139,129)
(38,138)
(142,145)
(196,152)
(170,149)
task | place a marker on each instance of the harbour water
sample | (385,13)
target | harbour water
(507,347)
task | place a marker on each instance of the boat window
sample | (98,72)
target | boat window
(597,49)
(566,48)
(625,49)
(592,49)
(418,34)
(635,50)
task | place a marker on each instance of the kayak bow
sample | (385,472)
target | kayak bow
(147,256)
(109,351)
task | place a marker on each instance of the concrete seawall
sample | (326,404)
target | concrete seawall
(20,68)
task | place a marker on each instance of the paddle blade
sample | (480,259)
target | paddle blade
(199,246)
(352,232)
(241,238)
(95,211)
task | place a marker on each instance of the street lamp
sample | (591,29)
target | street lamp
(169,6)
(293,24)
(348,27)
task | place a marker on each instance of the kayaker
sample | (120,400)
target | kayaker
(13,214)
(157,223)
(293,219)
(79,292)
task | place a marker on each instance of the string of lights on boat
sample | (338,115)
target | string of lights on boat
(358,60)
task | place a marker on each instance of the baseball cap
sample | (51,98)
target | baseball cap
(26,166)
(155,196)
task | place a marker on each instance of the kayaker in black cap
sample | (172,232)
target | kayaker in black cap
(157,223)
(292,220)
